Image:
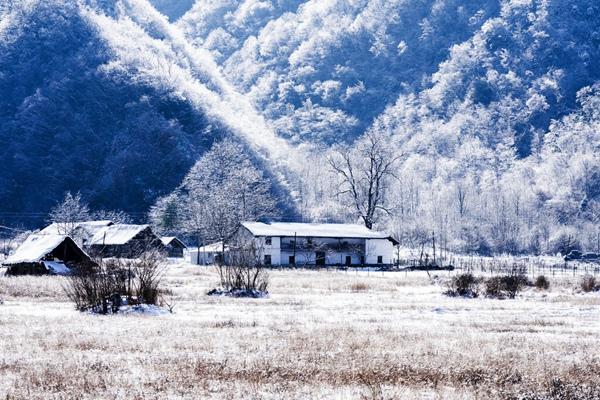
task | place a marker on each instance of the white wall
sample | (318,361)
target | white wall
(379,247)
(200,259)
(274,249)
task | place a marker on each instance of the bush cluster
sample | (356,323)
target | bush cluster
(465,285)
(243,273)
(503,286)
(541,283)
(116,282)
(589,284)
(497,287)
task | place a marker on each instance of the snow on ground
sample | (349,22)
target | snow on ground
(320,334)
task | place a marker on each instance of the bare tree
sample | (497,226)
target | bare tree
(365,170)
(194,221)
(69,213)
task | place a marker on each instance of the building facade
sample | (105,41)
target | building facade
(302,244)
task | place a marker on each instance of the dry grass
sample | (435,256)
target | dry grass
(359,287)
(32,287)
(393,336)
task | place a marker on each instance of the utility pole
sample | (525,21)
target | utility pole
(295,238)
(434,248)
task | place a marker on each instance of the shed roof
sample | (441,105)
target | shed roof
(116,234)
(35,248)
(298,229)
(167,240)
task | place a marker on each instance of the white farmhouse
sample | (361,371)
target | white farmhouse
(285,243)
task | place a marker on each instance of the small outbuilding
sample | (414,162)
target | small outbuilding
(46,254)
(124,241)
(173,246)
(209,254)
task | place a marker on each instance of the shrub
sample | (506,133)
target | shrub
(503,286)
(243,273)
(542,283)
(465,285)
(115,282)
(588,283)
(359,287)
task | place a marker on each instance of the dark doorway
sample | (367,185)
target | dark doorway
(320,258)
(348,260)
(292,260)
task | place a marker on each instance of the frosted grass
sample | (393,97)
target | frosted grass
(320,334)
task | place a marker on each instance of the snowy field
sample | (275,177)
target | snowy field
(320,335)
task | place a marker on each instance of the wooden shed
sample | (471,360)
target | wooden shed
(46,254)
(173,246)
(124,241)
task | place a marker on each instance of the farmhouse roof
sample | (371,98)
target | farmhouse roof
(116,234)
(167,240)
(351,231)
(35,248)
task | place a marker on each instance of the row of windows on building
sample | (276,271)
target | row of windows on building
(320,259)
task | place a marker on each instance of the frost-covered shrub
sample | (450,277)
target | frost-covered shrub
(466,285)
(541,283)
(589,283)
(500,287)
(116,282)
(242,274)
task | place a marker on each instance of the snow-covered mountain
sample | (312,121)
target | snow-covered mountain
(117,98)
(108,98)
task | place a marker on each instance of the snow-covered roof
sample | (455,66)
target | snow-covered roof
(34,248)
(116,234)
(166,240)
(90,227)
(313,230)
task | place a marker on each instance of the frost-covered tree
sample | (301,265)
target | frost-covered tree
(231,187)
(221,190)
(365,170)
(68,213)
(115,216)
(165,215)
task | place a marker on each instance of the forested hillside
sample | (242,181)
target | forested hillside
(104,98)
(491,107)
